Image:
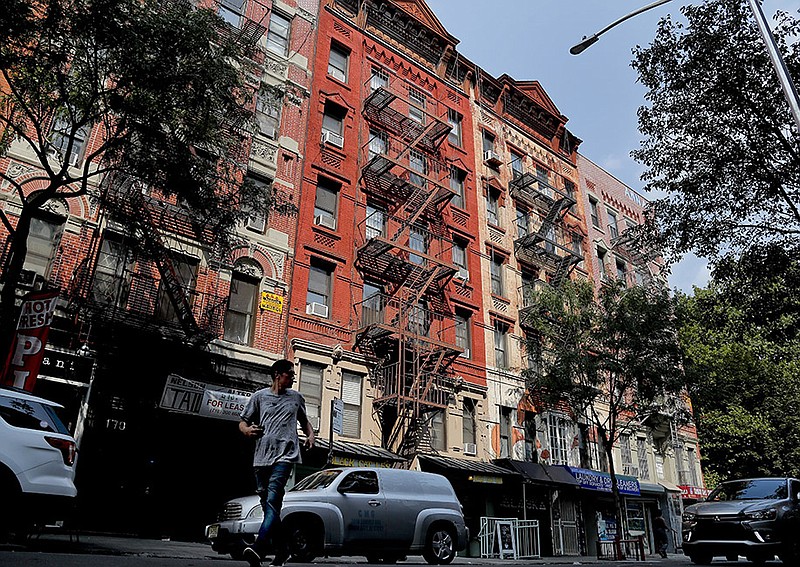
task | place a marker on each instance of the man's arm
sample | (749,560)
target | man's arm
(250,429)
(308,429)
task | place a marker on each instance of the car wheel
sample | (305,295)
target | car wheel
(701,559)
(440,545)
(732,558)
(759,561)
(304,540)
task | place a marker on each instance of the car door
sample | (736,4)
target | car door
(364,510)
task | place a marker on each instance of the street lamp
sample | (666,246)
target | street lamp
(789,91)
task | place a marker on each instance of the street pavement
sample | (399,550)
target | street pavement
(90,550)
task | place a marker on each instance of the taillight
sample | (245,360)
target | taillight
(66,446)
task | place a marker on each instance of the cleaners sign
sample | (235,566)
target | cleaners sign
(27,350)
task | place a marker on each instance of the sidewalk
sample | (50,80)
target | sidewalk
(98,544)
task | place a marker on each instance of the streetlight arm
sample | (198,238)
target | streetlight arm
(592,39)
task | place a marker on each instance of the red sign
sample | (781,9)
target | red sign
(693,492)
(27,350)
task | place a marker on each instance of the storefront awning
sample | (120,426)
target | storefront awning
(651,488)
(478,471)
(539,473)
(668,486)
(348,454)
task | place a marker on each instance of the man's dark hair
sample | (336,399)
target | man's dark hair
(281,366)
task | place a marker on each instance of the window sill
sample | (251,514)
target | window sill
(338,82)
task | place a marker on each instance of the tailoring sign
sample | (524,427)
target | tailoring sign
(25,357)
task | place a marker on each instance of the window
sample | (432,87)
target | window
(460,255)
(577,245)
(186,272)
(543,176)
(278,33)
(238,324)
(500,335)
(337,62)
(659,458)
(569,188)
(506,436)
(492,206)
(625,450)
(641,453)
(438,431)
(419,319)
(613,230)
(497,275)
(419,168)
(333,119)
(379,79)
(416,110)
(257,220)
(378,143)
(522,223)
(231,11)
(319,289)
(351,398)
(111,278)
(488,142)
(457,178)
(601,262)
(621,269)
(517,169)
(594,213)
(325,203)
(468,421)
(372,305)
(310,386)
(418,240)
(268,112)
(376,222)
(559,429)
(361,482)
(42,243)
(62,135)
(454,119)
(463,339)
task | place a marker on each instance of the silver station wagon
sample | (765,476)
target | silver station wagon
(383,514)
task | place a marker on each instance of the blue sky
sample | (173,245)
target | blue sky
(597,90)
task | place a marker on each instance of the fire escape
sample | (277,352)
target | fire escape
(548,242)
(403,251)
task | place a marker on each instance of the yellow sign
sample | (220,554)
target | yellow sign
(352,462)
(486,479)
(271,302)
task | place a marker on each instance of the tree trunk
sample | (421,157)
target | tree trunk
(18,249)
(608,447)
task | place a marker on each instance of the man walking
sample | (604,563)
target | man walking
(271,416)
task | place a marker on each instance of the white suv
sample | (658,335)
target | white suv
(37,458)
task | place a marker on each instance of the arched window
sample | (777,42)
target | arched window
(240,314)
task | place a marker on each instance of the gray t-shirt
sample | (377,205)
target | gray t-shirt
(278,414)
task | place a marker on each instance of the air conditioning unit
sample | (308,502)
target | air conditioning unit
(27,278)
(318,309)
(466,353)
(333,139)
(470,449)
(490,157)
(463,274)
(256,222)
(326,221)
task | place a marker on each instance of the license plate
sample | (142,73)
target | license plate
(213,531)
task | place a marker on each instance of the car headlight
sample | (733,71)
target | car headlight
(256,513)
(766,514)
(689,516)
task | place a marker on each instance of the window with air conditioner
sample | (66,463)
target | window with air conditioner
(318,296)
(257,220)
(278,33)
(460,258)
(325,203)
(338,62)
(333,125)
(489,154)
(310,386)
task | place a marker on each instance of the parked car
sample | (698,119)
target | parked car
(383,514)
(37,458)
(755,517)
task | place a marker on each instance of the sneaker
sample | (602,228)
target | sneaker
(251,556)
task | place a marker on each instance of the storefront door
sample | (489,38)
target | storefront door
(565,526)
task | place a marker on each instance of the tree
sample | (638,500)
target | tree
(612,359)
(742,339)
(720,142)
(161,85)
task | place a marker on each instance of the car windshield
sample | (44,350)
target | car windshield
(321,479)
(28,414)
(764,489)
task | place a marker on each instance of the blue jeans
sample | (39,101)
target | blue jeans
(271,486)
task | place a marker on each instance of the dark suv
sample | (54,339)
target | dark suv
(755,517)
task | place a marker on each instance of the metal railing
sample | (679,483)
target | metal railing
(524,543)
(621,549)
(396,382)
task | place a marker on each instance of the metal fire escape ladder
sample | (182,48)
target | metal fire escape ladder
(155,247)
